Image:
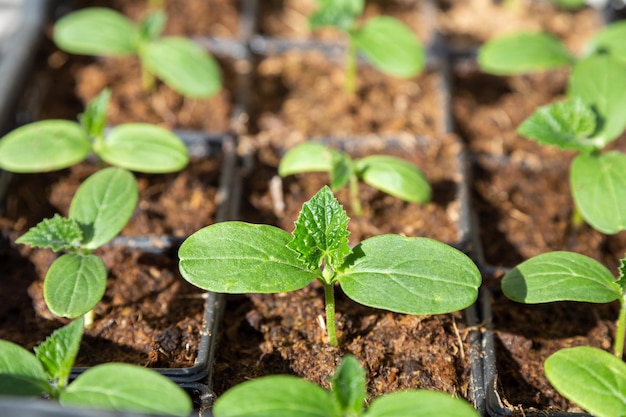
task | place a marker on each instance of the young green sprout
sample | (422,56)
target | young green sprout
(112,386)
(577,372)
(56,144)
(100,209)
(591,118)
(179,62)
(394,176)
(392,272)
(389,45)
(288,396)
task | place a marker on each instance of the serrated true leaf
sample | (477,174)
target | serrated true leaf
(341,14)
(567,124)
(410,275)
(341,170)
(74,284)
(58,352)
(560,276)
(420,403)
(598,182)
(321,231)
(237,257)
(349,386)
(119,386)
(21,374)
(103,204)
(56,233)
(93,120)
(145,148)
(621,281)
(591,378)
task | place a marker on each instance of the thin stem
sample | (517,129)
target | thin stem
(577,219)
(351,67)
(147,79)
(329,299)
(88,319)
(620,333)
(355,201)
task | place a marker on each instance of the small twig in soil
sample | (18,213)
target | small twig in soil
(276,192)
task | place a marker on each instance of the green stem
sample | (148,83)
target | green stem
(329,299)
(351,66)
(620,333)
(577,219)
(148,81)
(355,201)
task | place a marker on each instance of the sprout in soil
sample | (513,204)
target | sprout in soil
(179,62)
(591,117)
(592,378)
(56,144)
(389,45)
(287,396)
(392,272)
(394,176)
(112,386)
(99,210)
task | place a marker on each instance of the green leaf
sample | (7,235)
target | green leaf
(57,233)
(44,146)
(610,40)
(591,378)
(560,276)
(144,148)
(103,204)
(390,46)
(349,387)
(410,275)
(341,171)
(237,257)
(153,24)
(58,352)
(119,386)
(600,82)
(21,374)
(598,183)
(74,284)
(622,275)
(420,403)
(568,124)
(94,119)
(520,53)
(570,4)
(307,157)
(396,177)
(275,396)
(96,31)
(341,14)
(184,66)
(321,232)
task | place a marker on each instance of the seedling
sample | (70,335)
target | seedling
(179,62)
(99,210)
(113,386)
(401,274)
(524,52)
(592,378)
(56,144)
(286,396)
(394,176)
(587,122)
(388,44)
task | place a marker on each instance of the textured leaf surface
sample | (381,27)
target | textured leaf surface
(520,53)
(560,276)
(21,373)
(237,257)
(44,146)
(349,386)
(58,352)
(144,148)
(420,403)
(321,232)
(410,275)
(56,233)
(341,14)
(74,284)
(591,378)
(118,386)
(396,177)
(567,124)
(390,46)
(598,183)
(184,66)
(103,204)
(275,396)
(96,31)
